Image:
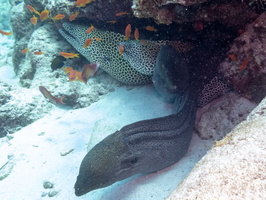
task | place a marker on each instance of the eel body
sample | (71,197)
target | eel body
(145,146)
(104,52)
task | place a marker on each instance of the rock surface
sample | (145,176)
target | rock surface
(17,109)
(249,48)
(181,11)
(222,115)
(234,168)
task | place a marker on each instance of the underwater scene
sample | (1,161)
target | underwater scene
(132,99)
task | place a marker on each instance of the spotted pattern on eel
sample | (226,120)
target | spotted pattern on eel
(143,57)
(106,53)
(145,54)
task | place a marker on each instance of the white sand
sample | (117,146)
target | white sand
(37,158)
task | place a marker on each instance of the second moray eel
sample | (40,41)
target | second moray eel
(149,145)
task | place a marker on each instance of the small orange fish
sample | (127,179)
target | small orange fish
(67,69)
(5,33)
(87,43)
(232,56)
(38,53)
(48,95)
(144,42)
(44,15)
(121,13)
(89,70)
(136,34)
(69,55)
(121,49)
(128,31)
(33,10)
(58,17)
(73,75)
(24,50)
(98,39)
(151,28)
(34,20)
(82,3)
(112,22)
(245,63)
(90,29)
(73,16)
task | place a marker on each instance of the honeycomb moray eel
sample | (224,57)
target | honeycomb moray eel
(106,53)
(149,145)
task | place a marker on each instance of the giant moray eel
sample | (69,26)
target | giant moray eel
(145,146)
(149,145)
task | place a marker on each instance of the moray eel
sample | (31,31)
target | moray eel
(142,58)
(149,145)
(104,52)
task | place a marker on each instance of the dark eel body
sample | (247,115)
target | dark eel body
(149,145)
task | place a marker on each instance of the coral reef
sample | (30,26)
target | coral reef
(26,111)
(166,12)
(247,74)
(45,69)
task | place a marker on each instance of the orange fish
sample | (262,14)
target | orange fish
(144,42)
(121,49)
(44,15)
(5,33)
(38,53)
(98,39)
(48,95)
(151,28)
(73,16)
(121,13)
(67,69)
(82,3)
(73,75)
(112,22)
(58,17)
(89,70)
(90,29)
(34,20)
(24,50)
(245,63)
(69,55)
(136,34)
(33,10)
(232,56)
(87,43)
(128,31)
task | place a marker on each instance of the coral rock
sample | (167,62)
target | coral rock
(251,81)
